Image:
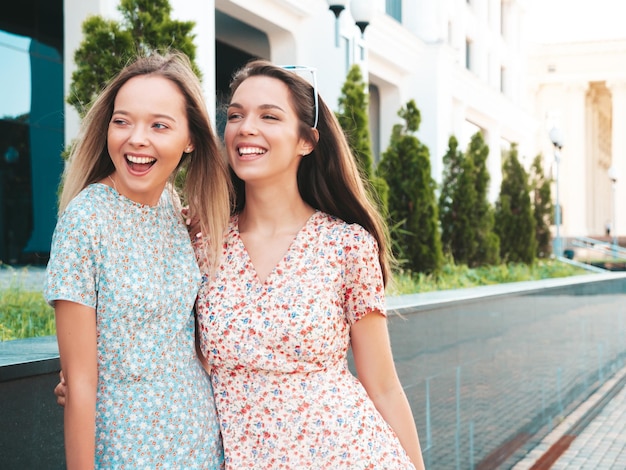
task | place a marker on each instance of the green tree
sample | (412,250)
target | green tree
(543,209)
(353,118)
(146,26)
(457,202)
(515,222)
(108,45)
(488,248)
(412,207)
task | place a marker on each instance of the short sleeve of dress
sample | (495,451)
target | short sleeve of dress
(363,281)
(71,271)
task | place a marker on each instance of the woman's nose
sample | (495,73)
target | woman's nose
(138,136)
(248,126)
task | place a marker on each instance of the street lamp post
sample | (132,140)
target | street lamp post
(362,12)
(337,6)
(613,178)
(557,141)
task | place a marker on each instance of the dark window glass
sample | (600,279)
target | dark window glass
(31,128)
(394,9)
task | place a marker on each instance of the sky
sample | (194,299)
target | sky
(553,21)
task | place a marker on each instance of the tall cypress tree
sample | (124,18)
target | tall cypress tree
(412,207)
(488,248)
(457,202)
(108,45)
(543,208)
(354,120)
(515,222)
(352,116)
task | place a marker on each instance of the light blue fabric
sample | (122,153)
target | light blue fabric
(135,265)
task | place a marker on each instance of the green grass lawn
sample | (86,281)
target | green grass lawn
(25,314)
(460,277)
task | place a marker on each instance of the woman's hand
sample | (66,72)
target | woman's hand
(193,224)
(60,390)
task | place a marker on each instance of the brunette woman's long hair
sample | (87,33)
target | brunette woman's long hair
(328,178)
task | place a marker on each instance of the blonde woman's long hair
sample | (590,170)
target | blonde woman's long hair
(206,187)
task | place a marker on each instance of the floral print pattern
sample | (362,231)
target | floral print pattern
(134,264)
(278,352)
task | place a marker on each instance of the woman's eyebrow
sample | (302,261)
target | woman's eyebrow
(263,106)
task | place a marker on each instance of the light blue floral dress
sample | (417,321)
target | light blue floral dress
(135,265)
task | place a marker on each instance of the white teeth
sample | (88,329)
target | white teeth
(251,150)
(140,160)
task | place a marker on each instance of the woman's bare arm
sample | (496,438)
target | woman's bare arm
(76,335)
(373,360)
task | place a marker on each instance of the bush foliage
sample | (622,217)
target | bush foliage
(543,209)
(482,215)
(466,216)
(456,204)
(412,207)
(146,26)
(515,221)
(353,118)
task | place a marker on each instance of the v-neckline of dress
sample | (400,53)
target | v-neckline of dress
(281,261)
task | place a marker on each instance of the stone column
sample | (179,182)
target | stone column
(573,166)
(618,157)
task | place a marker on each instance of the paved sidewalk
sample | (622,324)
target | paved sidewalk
(598,443)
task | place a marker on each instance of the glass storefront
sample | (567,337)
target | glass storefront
(31,129)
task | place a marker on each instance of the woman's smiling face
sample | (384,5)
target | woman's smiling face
(147,136)
(262,131)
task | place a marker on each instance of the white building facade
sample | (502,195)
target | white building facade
(580,88)
(464,62)
(467,64)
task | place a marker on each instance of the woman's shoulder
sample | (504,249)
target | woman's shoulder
(85,217)
(91,199)
(341,228)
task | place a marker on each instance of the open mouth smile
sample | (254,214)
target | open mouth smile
(139,163)
(250,151)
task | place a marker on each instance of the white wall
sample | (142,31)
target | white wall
(424,59)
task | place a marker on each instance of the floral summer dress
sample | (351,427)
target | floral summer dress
(135,265)
(278,351)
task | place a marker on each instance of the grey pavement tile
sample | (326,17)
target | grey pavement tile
(510,365)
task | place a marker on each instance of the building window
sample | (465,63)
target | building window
(468,54)
(31,128)
(503,80)
(349,57)
(394,9)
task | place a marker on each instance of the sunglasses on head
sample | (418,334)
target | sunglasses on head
(312,70)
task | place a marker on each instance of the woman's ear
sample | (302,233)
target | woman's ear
(306,146)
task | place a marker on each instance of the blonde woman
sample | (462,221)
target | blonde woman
(123,278)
